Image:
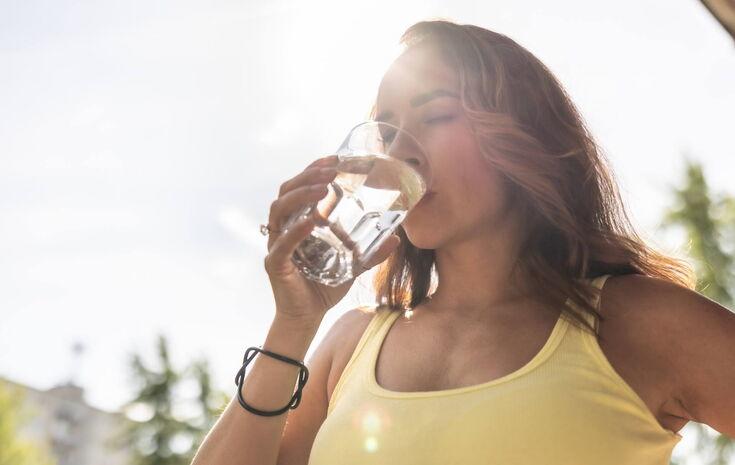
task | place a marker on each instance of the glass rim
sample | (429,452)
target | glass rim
(426,177)
(398,128)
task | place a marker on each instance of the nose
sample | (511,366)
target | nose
(405,147)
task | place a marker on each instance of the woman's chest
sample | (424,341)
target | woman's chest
(435,359)
(422,359)
(559,414)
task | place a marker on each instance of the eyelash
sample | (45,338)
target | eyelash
(388,138)
(439,118)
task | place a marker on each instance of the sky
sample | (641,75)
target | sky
(141,144)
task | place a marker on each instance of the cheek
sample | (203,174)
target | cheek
(461,165)
(473,188)
(468,188)
(473,176)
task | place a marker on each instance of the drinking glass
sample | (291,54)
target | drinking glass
(382,172)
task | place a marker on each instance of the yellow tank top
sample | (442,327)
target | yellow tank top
(566,406)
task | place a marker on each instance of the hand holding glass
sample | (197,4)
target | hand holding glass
(382,173)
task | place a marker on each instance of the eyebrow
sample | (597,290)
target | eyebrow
(420,100)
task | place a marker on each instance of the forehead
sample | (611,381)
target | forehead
(418,69)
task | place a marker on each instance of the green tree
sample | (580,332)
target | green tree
(169,435)
(709,223)
(15,450)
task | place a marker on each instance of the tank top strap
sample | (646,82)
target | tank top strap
(378,329)
(360,357)
(376,325)
(598,282)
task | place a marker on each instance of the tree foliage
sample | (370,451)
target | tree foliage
(176,424)
(708,220)
(14,449)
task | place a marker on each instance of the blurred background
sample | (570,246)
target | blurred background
(142,142)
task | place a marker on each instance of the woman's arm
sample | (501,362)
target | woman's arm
(240,437)
(694,338)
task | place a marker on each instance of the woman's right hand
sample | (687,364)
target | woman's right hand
(297,297)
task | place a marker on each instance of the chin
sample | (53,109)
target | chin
(421,228)
(424,237)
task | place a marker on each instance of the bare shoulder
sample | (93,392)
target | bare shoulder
(654,301)
(631,340)
(349,325)
(640,312)
(347,331)
(649,300)
(619,292)
(677,341)
(631,307)
(692,336)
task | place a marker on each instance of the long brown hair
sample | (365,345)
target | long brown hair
(555,173)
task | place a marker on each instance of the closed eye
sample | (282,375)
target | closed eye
(439,119)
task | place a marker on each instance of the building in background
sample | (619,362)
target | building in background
(76,433)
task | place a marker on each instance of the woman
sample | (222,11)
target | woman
(515,356)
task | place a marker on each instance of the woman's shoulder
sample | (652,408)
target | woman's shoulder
(649,322)
(350,327)
(347,331)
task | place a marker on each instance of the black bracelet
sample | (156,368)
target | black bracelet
(240,377)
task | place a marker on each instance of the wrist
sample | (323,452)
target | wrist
(298,324)
(290,337)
